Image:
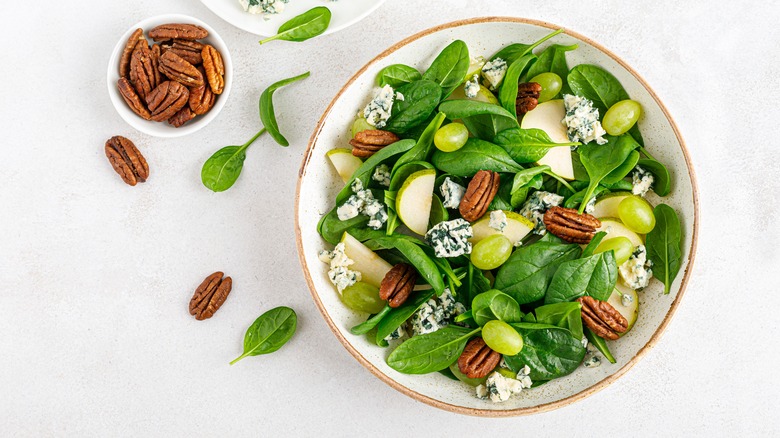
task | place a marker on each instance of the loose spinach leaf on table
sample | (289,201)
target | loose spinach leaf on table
(474,156)
(507,94)
(529,270)
(431,352)
(396,75)
(596,84)
(514,51)
(565,315)
(553,60)
(664,245)
(420,100)
(484,120)
(527,145)
(662,184)
(495,304)
(267,115)
(550,352)
(450,67)
(593,276)
(269,332)
(304,26)
(601,160)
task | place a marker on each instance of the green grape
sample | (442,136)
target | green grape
(509,374)
(502,338)
(636,214)
(465,379)
(551,85)
(621,117)
(359,125)
(491,252)
(621,246)
(362,297)
(451,137)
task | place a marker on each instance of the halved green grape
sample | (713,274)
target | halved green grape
(363,297)
(636,214)
(451,137)
(360,124)
(502,338)
(465,379)
(621,117)
(491,252)
(551,85)
(621,246)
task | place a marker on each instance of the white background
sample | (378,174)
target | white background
(95,276)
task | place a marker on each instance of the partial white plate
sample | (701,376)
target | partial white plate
(345,14)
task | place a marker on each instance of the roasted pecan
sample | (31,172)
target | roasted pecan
(571,226)
(126,160)
(183,116)
(132,99)
(367,143)
(602,318)
(166,100)
(477,359)
(156,53)
(142,71)
(215,68)
(124,61)
(180,31)
(479,194)
(210,295)
(201,99)
(190,51)
(527,97)
(397,284)
(179,70)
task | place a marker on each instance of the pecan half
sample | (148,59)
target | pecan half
(215,68)
(127,160)
(179,70)
(397,284)
(201,99)
(142,70)
(190,51)
(124,61)
(477,359)
(479,194)
(571,226)
(210,295)
(183,116)
(156,53)
(527,97)
(180,31)
(367,143)
(132,99)
(166,100)
(602,318)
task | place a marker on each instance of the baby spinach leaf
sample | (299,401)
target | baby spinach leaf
(503,198)
(267,115)
(596,84)
(222,169)
(594,276)
(304,26)
(552,59)
(474,284)
(474,156)
(519,196)
(269,332)
(507,95)
(424,264)
(574,200)
(623,170)
(525,176)
(371,323)
(424,147)
(550,352)
(593,244)
(331,228)
(438,212)
(527,145)
(512,52)
(564,315)
(395,317)
(366,170)
(495,304)
(431,352)
(450,67)
(664,245)
(396,75)
(529,270)
(663,181)
(600,160)
(484,120)
(420,99)
(601,345)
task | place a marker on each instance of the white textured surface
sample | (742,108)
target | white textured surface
(96,275)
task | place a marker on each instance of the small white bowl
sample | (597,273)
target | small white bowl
(163,129)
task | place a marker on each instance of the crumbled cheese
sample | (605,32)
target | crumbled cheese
(452,192)
(398,333)
(592,362)
(471,87)
(382,175)
(265,7)
(642,180)
(494,72)
(340,275)
(535,207)
(500,388)
(378,111)
(363,202)
(399,96)
(626,300)
(637,270)
(450,239)
(591,205)
(584,342)
(497,220)
(436,313)
(582,120)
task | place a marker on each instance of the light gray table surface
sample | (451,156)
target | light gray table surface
(95,276)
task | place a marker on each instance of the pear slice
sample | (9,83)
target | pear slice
(483,95)
(614,228)
(372,267)
(607,205)
(413,202)
(517,227)
(631,311)
(548,116)
(345,163)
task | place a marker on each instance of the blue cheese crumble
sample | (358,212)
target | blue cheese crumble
(378,111)
(499,388)
(452,192)
(363,202)
(471,87)
(435,313)
(339,274)
(637,270)
(582,120)
(382,175)
(592,362)
(497,220)
(626,299)
(642,180)
(397,334)
(535,207)
(450,238)
(494,72)
(265,7)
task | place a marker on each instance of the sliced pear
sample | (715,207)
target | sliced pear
(614,228)
(483,95)
(548,116)
(475,66)
(631,311)
(345,163)
(372,267)
(607,205)
(413,202)
(517,226)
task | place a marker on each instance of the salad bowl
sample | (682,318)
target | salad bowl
(319,183)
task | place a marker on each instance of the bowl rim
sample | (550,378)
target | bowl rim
(654,339)
(145,126)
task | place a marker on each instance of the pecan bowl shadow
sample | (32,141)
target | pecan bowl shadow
(164,129)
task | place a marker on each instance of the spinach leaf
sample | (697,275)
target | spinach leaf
(450,67)
(364,172)
(520,195)
(664,245)
(663,181)
(564,315)
(222,169)
(438,212)
(514,51)
(372,322)
(269,332)
(426,267)
(495,304)
(267,115)
(594,243)
(304,26)
(420,99)
(424,147)
(474,284)
(553,59)
(484,120)
(474,156)
(601,345)
(507,95)
(529,270)
(525,176)
(503,198)
(623,170)
(397,75)
(331,228)
(395,317)
(550,352)
(431,352)
(527,145)
(574,200)
(596,84)
(601,160)
(594,276)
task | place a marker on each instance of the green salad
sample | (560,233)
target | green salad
(494,225)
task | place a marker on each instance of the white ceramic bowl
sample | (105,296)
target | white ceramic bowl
(158,129)
(319,184)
